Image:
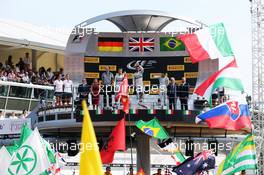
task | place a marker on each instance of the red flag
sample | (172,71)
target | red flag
(116,141)
(140,172)
(123,95)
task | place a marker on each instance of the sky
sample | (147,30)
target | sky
(235,14)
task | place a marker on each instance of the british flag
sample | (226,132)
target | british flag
(140,44)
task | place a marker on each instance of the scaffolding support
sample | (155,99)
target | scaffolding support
(257,19)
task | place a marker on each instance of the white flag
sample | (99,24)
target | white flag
(5,159)
(30,158)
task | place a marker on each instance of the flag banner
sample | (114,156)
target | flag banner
(230,115)
(55,168)
(88,137)
(25,133)
(171,44)
(99,111)
(30,158)
(107,44)
(5,159)
(227,77)
(133,111)
(7,125)
(115,142)
(195,164)
(140,44)
(242,157)
(169,146)
(152,66)
(116,111)
(169,111)
(210,42)
(186,112)
(152,128)
(152,111)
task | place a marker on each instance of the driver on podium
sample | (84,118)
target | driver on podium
(138,81)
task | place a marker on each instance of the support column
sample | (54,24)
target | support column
(143,153)
(34,59)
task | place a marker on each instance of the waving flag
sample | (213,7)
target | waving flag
(230,116)
(5,159)
(243,157)
(88,137)
(193,165)
(140,44)
(169,146)
(25,133)
(30,158)
(210,42)
(152,128)
(227,77)
(55,168)
(116,142)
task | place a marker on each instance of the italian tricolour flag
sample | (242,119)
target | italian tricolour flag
(210,42)
(227,77)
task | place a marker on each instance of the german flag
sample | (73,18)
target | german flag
(107,44)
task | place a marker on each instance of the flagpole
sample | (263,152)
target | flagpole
(131,144)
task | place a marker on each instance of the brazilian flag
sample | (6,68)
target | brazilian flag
(171,44)
(152,128)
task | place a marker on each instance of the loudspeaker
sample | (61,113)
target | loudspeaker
(213,145)
(73,148)
(189,150)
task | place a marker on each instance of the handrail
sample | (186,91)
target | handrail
(10,83)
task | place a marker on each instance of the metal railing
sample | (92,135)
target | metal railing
(21,96)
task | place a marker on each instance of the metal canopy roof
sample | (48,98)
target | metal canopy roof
(140,20)
(20,34)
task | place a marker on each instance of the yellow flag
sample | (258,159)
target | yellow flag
(90,163)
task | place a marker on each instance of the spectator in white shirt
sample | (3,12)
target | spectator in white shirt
(3,76)
(2,117)
(13,116)
(67,87)
(58,83)
(24,114)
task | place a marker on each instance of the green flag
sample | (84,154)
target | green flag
(242,157)
(5,158)
(25,133)
(152,128)
(30,158)
(171,44)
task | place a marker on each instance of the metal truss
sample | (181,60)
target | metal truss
(257,15)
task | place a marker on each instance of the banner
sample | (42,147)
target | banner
(177,67)
(12,126)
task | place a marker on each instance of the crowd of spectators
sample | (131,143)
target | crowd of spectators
(22,72)
(14,115)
